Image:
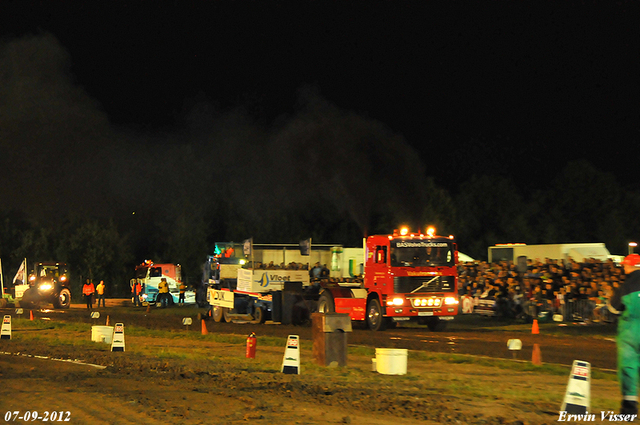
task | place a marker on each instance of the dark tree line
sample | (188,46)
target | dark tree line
(582,205)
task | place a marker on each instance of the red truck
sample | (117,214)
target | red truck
(407,276)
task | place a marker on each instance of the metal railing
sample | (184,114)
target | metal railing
(570,310)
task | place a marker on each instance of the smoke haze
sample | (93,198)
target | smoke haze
(61,155)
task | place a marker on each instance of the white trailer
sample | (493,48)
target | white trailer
(249,295)
(577,251)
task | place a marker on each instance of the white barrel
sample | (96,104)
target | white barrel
(391,361)
(102,334)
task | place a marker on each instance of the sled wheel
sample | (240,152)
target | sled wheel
(258,315)
(218,314)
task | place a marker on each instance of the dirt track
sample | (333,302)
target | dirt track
(162,384)
(479,339)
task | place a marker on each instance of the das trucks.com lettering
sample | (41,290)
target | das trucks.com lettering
(421,244)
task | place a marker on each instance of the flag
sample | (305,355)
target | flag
(247,246)
(305,247)
(21,271)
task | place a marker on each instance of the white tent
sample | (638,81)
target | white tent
(463,258)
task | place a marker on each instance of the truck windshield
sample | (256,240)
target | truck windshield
(420,253)
(141,272)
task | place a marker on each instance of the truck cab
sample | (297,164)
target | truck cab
(408,276)
(149,275)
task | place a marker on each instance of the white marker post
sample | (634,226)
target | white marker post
(514,345)
(187,321)
(578,396)
(5,333)
(95,315)
(117,342)
(291,360)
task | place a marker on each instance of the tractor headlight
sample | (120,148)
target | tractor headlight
(45,287)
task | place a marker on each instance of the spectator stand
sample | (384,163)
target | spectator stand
(548,290)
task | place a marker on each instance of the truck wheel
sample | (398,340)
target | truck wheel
(436,325)
(217,314)
(258,315)
(226,312)
(375,320)
(63,300)
(326,303)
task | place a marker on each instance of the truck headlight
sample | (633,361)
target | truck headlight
(45,286)
(395,301)
(427,302)
(451,301)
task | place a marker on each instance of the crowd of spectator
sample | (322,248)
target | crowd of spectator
(275,266)
(576,291)
(317,271)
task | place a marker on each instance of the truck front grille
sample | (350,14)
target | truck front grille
(409,284)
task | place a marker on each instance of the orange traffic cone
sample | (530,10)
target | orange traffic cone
(536,357)
(210,310)
(534,328)
(204,328)
(30,314)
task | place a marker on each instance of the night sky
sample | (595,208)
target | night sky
(97,97)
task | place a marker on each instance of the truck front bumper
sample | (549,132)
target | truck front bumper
(421,305)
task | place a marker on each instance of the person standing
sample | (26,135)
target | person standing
(87,290)
(100,291)
(163,292)
(136,294)
(626,301)
(183,289)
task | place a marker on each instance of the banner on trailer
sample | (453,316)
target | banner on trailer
(269,280)
(220,298)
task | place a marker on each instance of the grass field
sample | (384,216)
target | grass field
(489,388)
